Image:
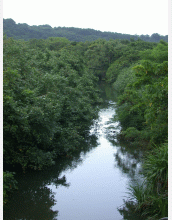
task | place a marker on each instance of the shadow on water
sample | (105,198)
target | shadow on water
(34,199)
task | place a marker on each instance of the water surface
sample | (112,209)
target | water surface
(96,186)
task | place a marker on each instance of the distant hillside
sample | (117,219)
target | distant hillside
(26,32)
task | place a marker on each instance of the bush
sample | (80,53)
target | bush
(131,133)
(125,76)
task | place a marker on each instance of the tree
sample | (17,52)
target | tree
(143,105)
(47,93)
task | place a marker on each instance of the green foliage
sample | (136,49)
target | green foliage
(99,55)
(47,93)
(156,168)
(57,43)
(130,110)
(131,133)
(158,54)
(126,76)
(125,56)
(144,102)
(9,184)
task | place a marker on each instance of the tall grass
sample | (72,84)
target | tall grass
(152,195)
(156,168)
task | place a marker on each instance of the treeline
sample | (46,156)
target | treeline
(26,32)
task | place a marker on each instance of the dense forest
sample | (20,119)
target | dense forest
(26,32)
(50,99)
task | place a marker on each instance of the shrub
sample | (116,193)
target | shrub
(131,133)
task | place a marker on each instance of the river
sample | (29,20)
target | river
(92,185)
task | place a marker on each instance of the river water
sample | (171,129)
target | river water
(90,186)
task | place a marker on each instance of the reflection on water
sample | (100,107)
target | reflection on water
(91,185)
(31,201)
(129,161)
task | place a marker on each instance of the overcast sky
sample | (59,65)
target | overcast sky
(121,16)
